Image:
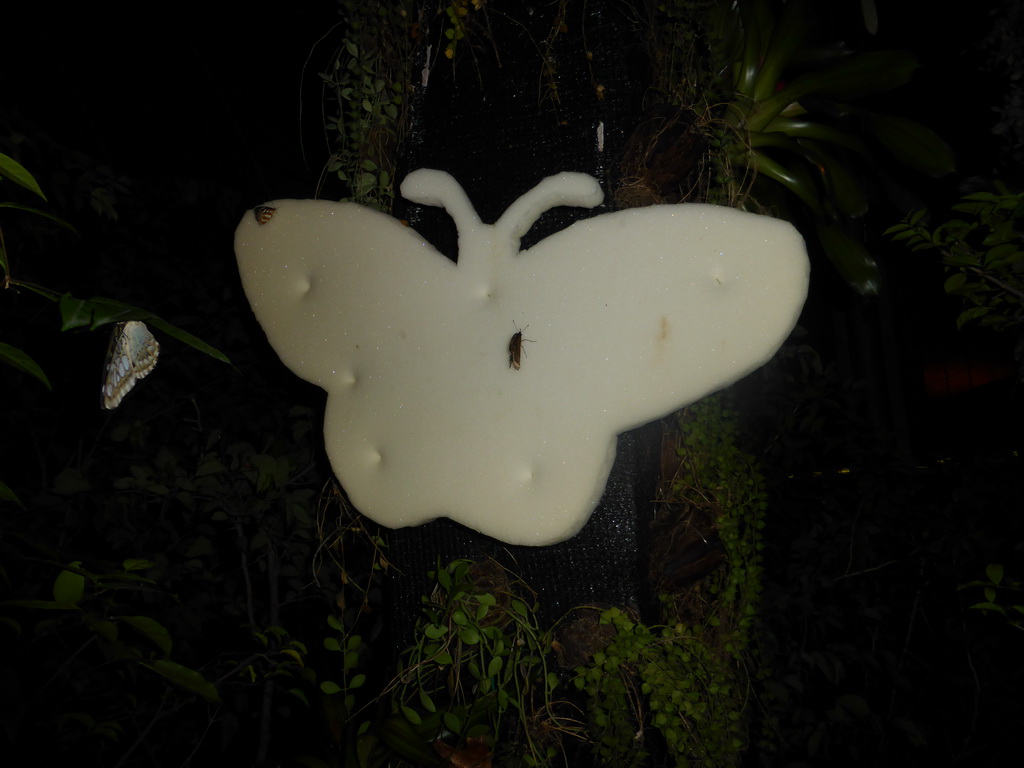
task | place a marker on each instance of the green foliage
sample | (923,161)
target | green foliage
(369,79)
(669,680)
(1000,596)
(479,671)
(782,127)
(153,557)
(684,684)
(866,656)
(982,254)
(717,472)
(85,659)
(75,313)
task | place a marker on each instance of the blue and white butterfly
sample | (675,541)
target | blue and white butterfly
(131,356)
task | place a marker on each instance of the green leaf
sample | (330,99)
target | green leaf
(69,586)
(105,629)
(99,311)
(152,630)
(435,631)
(186,678)
(790,177)
(426,702)
(29,209)
(861,75)
(852,78)
(469,635)
(842,186)
(994,571)
(808,129)
(997,256)
(16,172)
(20,360)
(329,687)
(913,144)
(494,667)
(954,282)
(452,722)
(135,564)
(854,262)
(6,494)
(444,578)
(971,314)
(787,38)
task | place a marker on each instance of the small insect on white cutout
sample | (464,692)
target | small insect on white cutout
(263,213)
(131,356)
(515,347)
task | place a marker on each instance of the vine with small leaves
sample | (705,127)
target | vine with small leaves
(686,679)
(369,79)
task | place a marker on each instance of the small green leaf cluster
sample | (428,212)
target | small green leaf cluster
(368,80)
(685,680)
(982,253)
(75,313)
(716,471)
(279,655)
(666,679)
(1001,596)
(456,11)
(91,658)
(479,668)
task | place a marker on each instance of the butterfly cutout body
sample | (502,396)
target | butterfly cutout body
(131,356)
(637,313)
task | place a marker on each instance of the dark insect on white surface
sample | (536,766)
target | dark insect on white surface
(131,356)
(263,213)
(515,348)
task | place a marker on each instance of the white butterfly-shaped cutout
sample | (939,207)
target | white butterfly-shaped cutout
(632,315)
(131,356)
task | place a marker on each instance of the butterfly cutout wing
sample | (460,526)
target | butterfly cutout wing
(658,306)
(131,356)
(365,286)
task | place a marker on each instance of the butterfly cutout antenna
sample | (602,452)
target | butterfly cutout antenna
(438,188)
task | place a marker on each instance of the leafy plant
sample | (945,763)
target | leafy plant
(1001,596)
(139,663)
(90,662)
(75,313)
(368,79)
(665,679)
(479,677)
(983,255)
(782,127)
